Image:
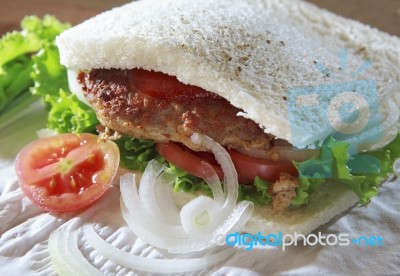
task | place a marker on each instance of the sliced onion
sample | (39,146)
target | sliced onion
(132,201)
(237,220)
(134,217)
(282,153)
(200,220)
(75,87)
(231,184)
(146,235)
(201,215)
(66,256)
(148,195)
(235,223)
(165,199)
(213,182)
(291,153)
(133,262)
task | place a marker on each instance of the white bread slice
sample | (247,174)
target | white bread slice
(325,204)
(328,202)
(248,51)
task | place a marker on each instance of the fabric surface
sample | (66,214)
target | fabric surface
(24,230)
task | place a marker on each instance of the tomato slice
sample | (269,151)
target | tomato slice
(187,160)
(247,167)
(66,172)
(163,86)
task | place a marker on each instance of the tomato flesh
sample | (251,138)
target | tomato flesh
(66,172)
(247,167)
(184,159)
(163,86)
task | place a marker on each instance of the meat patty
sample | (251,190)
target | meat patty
(150,105)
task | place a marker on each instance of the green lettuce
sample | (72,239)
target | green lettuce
(68,114)
(136,154)
(35,32)
(16,64)
(48,74)
(186,182)
(65,112)
(362,173)
(256,193)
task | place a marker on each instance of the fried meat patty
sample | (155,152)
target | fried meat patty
(152,105)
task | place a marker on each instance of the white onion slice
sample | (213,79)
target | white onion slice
(132,201)
(237,220)
(148,194)
(163,193)
(201,215)
(133,217)
(290,153)
(193,244)
(231,184)
(213,182)
(201,220)
(281,152)
(151,265)
(66,256)
(75,87)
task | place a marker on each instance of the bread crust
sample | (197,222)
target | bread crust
(249,52)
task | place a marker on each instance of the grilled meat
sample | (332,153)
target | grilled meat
(159,107)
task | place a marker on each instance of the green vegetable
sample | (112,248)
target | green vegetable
(136,154)
(48,74)
(14,79)
(187,182)
(257,193)
(66,112)
(361,173)
(16,64)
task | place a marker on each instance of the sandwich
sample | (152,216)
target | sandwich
(262,79)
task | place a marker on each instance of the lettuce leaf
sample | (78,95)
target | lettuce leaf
(66,112)
(34,32)
(186,182)
(48,74)
(16,64)
(256,193)
(362,173)
(14,79)
(136,154)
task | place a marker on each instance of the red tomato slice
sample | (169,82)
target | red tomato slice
(163,86)
(185,159)
(66,172)
(247,167)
